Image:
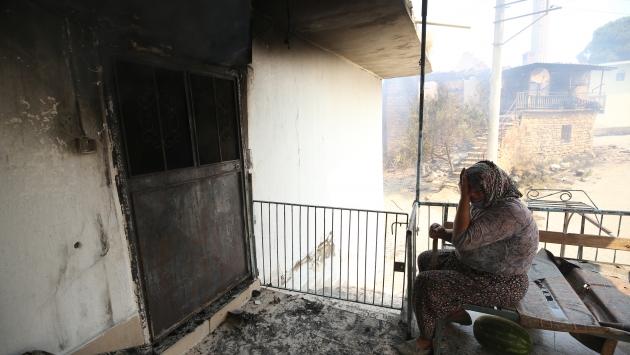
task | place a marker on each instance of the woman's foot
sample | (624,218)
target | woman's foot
(416,346)
(461,316)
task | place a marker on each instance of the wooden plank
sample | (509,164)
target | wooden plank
(609,347)
(585,240)
(536,305)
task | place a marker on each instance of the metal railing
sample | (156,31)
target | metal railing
(348,254)
(526,100)
(593,221)
(410,246)
(361,256)
(556,218)
(548,204)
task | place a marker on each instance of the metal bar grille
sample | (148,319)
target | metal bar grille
(554,218)
(548,219)
(348,254)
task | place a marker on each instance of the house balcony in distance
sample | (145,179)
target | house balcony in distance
(560,101)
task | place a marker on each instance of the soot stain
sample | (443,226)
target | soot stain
(102,235)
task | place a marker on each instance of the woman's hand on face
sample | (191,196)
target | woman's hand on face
(464,190)
(437,231)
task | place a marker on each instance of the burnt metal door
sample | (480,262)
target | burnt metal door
(183,151)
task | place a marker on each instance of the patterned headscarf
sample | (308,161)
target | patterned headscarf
(495,183)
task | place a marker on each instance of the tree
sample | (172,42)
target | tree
(477,109)
(610,43)
(448,125)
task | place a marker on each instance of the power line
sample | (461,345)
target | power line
(469,10)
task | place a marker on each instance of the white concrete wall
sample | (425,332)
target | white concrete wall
(314,126)
(617,110)
(53,296)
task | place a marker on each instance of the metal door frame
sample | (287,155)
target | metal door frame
(124,182)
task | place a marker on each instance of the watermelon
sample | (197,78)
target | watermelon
(502,335)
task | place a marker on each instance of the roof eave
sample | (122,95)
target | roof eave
(377,35)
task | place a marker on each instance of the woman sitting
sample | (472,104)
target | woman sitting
(495,243)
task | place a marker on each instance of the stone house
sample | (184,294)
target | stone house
(547,112)
(546,135)
(135,134)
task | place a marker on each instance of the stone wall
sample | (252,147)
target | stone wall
(537,137)
(509,154)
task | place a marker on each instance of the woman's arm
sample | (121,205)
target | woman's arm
(492,224)
(438,231)
(462,217)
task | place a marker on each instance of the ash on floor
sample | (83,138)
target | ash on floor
(306,324)
(296,324)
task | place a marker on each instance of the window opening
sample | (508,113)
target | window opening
(156,119)
(621,75)
(214,108)
(173,113)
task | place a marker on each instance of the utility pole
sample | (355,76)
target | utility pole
(495,84)
(492,149)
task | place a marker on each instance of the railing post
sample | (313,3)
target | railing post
(411,267)
(565,228)
(581,248)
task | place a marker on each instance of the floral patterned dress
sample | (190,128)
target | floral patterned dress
(488,267)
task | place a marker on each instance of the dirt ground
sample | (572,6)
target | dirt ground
(609,186)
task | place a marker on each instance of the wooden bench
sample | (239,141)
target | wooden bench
(588,303)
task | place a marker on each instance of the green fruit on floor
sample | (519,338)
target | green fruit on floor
(502,335)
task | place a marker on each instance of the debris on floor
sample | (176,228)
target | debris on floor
(293,324)
(277,322)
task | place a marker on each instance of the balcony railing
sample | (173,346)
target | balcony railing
(347,254)
(589,220)
(369,256)
(529,101)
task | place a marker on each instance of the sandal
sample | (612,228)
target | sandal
(411,348)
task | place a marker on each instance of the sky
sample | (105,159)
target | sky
(570,29)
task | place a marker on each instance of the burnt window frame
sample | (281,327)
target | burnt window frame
(565,133)
(186,70)
(237,116)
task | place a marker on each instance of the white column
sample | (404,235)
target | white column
(495,84)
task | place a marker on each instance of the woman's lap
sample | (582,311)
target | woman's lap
(436,293)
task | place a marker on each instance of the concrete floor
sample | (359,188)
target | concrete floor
(460,340)
(306,324)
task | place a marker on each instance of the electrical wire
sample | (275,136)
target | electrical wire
(287,39)
(467,11)
(263,15)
